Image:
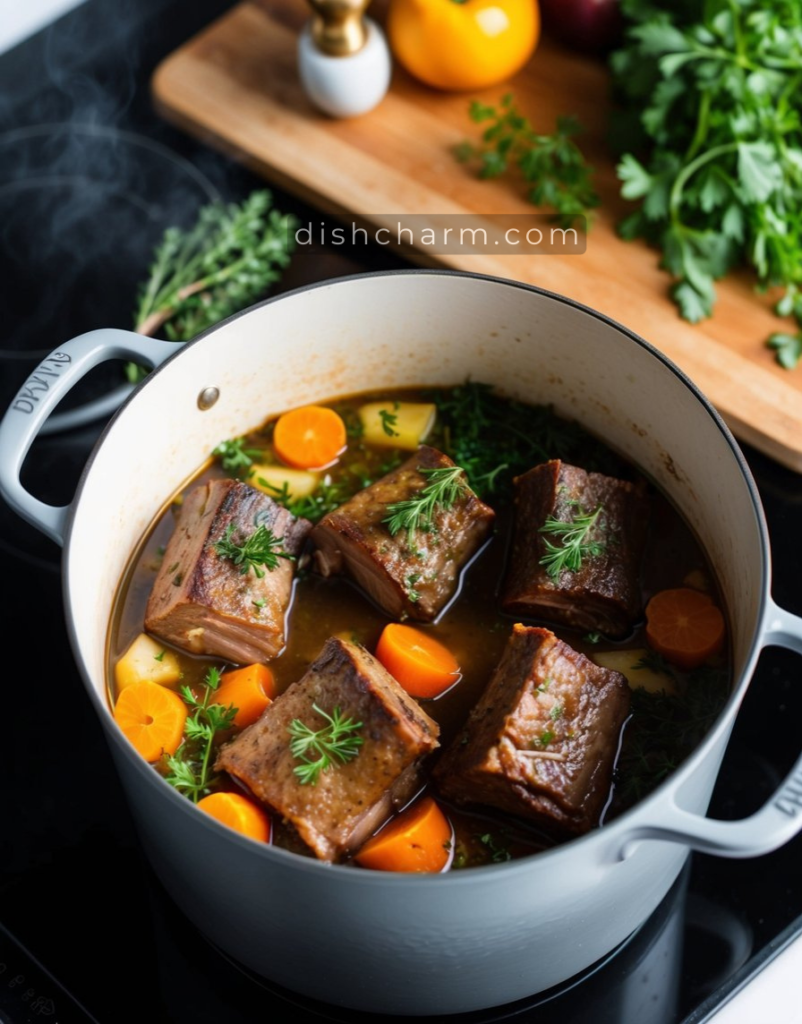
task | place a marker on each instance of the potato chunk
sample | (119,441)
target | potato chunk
(300,483)
(639,677)
(147,660)
(397,424)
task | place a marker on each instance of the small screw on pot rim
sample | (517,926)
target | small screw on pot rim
(207,398)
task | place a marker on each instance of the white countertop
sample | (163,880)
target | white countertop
(21,18)
(775,995)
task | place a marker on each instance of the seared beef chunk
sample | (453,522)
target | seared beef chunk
(543,738)
(603,594)
(347,803)
(409,575)
(202,601)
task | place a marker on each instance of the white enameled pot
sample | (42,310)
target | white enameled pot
(369,940)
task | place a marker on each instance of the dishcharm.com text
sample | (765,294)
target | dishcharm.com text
(451,234)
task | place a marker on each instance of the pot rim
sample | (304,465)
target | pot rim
(596,836)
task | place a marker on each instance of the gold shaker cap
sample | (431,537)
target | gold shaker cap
(338,28)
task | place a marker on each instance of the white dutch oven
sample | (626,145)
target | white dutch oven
(370,940)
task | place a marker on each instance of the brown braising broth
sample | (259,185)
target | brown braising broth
(472,627)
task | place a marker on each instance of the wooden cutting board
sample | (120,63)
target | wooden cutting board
(236,86)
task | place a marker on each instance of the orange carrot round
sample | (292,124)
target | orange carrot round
(310,437)
(239,813)
(424,667)
(152,718)
(684,626)
(249,690)
(419,839)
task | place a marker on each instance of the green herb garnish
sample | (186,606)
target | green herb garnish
(190,768)
(445,485)
(575,543)
(159,656)
(235,456)
(553,165)
(495,438)
(260,551)
(338,741)
(389,421)
(499,852)
(326,498)
(216,268)
(412,579)
(665,728)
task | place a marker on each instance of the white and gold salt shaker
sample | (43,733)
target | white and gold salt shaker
(343,58)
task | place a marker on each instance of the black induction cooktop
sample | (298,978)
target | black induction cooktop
(89,176)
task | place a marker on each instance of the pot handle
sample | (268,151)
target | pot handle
(778,821)
(39,395)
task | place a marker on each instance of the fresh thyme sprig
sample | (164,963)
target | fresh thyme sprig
(338,741)
(260,551)
(575,544)
(220,265)
(445,485)
(236,456)
(190,768)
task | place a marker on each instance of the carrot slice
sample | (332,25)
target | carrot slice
(419,839)
(239,813)
(424,667)
(249,689)
(310,437)
(152,718)
(684,626)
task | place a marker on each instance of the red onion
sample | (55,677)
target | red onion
(593,26)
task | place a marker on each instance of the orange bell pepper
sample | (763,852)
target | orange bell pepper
(461,45)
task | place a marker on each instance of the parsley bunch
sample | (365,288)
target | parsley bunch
(552,164)
(712,95)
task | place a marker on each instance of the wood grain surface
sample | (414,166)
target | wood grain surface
(236,86)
